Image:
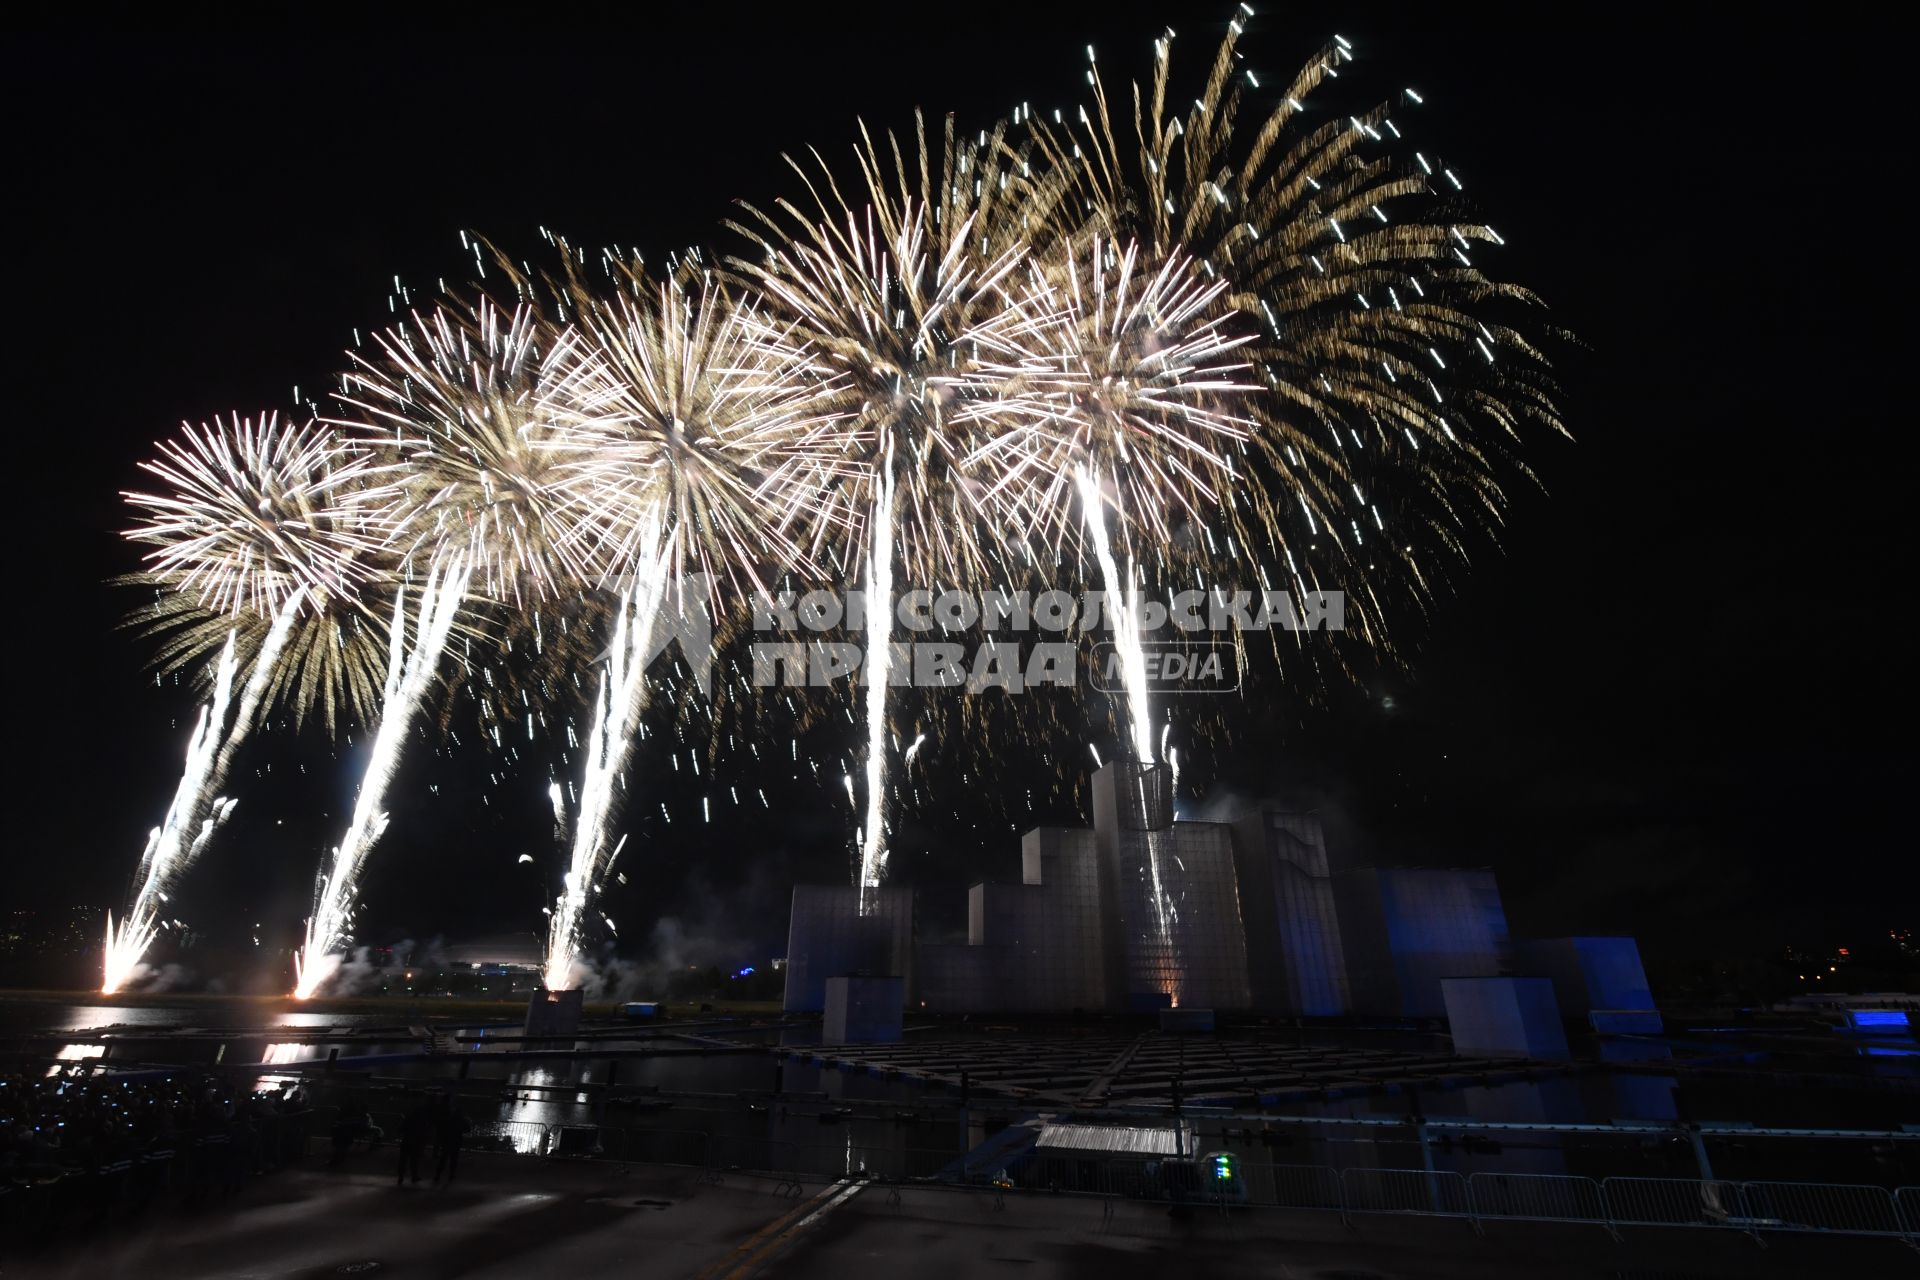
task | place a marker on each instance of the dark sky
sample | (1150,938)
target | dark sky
(1678,702)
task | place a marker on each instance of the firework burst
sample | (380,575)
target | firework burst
(1117,388)
(897,292)
(691,418)
(329,667)
(253,511)
(260,527)
(454,400)
(1145,344)
(1386,392)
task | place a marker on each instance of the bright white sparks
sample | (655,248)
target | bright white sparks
(410,673)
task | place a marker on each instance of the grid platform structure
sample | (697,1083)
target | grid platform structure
(1146,1070)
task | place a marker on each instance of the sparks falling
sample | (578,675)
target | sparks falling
(256,523)
(410,675)
(1124,615)
(191,819)
(1247,340)
(691,430)
(622,697)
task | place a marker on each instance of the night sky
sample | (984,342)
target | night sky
(1678,703)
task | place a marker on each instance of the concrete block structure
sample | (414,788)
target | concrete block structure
(1594,976)
(1142,913)
(1406,928)
(862,1010)
(1168,895)
(1504,1017)
(1066,973)
(1031,947)
(958,977)
(1296,962)
(829,937)
(554,1013)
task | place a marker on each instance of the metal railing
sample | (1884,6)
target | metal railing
(1423,1191)
(521,1137)
(1672,1202)
(1296,1186)
(1822,1206)
(1537,1197)
(1751,1207)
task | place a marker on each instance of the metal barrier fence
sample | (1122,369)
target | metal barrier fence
(1295,1186)
(1441,1192)
(1537,1197)
(1672,1202)
(1822,1206)
(1751,1207)
(522,1137)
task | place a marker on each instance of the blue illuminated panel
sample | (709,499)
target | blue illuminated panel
(1877,1020)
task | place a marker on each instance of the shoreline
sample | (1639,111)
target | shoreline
(409,1006)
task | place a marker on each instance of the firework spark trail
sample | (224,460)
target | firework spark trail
(258,525)
(895,284)
(622,698)
(874,671)
(266,664)
(1123,610)
(409,676)
(169,843)
(693,432)
(329,665)
(1390,390)
(195,808)
(1125,616)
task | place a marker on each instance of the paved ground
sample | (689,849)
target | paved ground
(506,1217)
(934,1235)
(515,1217)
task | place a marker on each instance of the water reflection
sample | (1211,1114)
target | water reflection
(76,1053)
(93,1017)
(73,1018)
(320,1020)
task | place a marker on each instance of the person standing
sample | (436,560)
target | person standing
(450,1132)
(414,1132)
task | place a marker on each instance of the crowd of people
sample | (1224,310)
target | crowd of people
(78,1141)
(73,1136)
